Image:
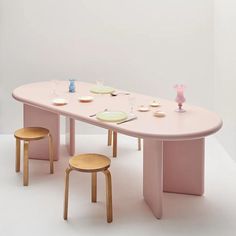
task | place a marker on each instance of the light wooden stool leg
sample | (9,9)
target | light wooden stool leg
(26,164)
(94,187)
(139,144)
(17,155)
(108,195)
(51,153)
(109,137)
(68,170)
(114,139)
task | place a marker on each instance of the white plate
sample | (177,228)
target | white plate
(159,114)
(143,108)
(86,99)
(154,104)
(59,101)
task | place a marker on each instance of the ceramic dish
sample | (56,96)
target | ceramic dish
(102,90)
(111,116)
(143,109)
(86,99)
(154,104)
(59,101)
(159,114)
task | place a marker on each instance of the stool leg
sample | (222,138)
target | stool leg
(68,170)
(139,144)
(108,195)
(51,153)
(109,137)
(114,144)
(17,155)
(94,187)
(26,164)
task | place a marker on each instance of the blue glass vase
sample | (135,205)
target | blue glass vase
(72,85)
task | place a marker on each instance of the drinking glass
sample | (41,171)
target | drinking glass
(55,84)
(132,100)
(180,99)
(100,83)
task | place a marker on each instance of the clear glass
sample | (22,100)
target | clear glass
(100,83)
(55,90)
(132,100)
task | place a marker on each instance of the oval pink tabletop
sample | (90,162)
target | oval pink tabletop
(195,123)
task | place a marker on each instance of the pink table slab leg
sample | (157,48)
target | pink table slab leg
(70,135)
(34,116)
(153,175)
(183,166)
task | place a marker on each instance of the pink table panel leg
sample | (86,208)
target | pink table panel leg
(183,166)
(34,116)
(153,175)
(70,135)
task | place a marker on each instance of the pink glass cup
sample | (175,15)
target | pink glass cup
(180,99)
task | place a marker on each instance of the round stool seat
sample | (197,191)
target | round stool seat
(31,133)
(89,162)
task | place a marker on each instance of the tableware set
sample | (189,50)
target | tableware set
(118,117)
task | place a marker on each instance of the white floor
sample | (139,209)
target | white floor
(37,209)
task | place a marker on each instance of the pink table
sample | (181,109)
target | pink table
(173,146)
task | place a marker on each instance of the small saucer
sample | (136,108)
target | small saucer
(59,101)
(159,114)
(86,99)
(143,109)
(154,104)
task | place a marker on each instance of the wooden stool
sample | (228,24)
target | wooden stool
(27,135)
(91,163)
(112,140)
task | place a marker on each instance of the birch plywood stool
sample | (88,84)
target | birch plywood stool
(90,163)
(27,135)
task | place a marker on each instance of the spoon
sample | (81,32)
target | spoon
(117,93)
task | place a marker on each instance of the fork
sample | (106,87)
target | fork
(97,113)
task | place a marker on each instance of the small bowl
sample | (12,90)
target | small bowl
(59,101)
(154,104)
(86,99)
(159,114)
(143,109)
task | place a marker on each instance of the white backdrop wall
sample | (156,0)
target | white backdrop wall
(225,71)
(144,46)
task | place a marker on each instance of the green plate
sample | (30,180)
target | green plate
(111,116)
(102,89)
